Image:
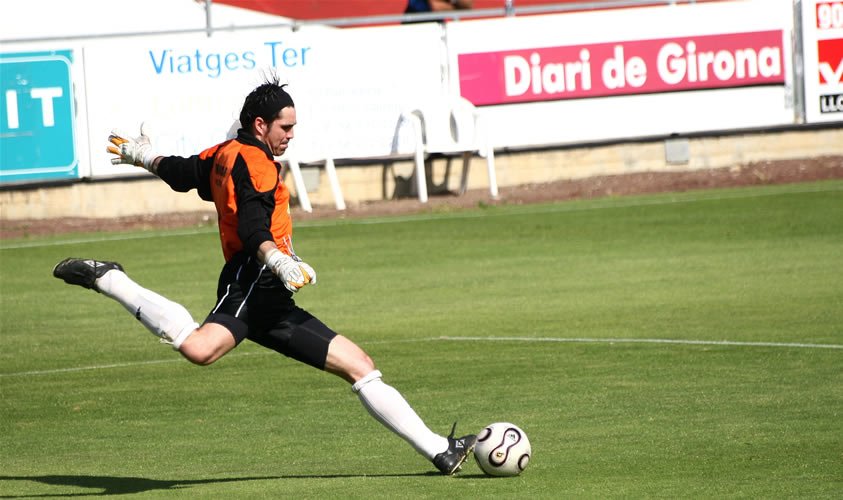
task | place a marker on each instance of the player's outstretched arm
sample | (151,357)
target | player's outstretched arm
(135,151)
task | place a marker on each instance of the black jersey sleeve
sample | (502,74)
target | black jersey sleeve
(183,174)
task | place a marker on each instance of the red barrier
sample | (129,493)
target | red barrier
(330,9)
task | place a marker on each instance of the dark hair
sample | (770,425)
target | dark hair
(266,101)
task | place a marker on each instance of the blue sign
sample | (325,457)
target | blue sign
(37,133)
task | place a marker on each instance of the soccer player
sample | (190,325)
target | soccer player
(261,271)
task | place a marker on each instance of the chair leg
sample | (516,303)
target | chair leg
(466,163)
(331,170)
(301,191)
(493,178)
(421,176)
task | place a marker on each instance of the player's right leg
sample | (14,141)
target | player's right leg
(164,318)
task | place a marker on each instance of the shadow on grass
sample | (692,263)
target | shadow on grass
(116,485)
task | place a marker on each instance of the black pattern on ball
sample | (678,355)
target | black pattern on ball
(500,453)
(523,461)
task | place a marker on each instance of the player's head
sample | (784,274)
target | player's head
(266,102)
(270,115)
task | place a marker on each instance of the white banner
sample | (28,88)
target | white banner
(627,73)
(538,80)
(822,48)
(349,87)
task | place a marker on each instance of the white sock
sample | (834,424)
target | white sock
(161,316)
(390,408)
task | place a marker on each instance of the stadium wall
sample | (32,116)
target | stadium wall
(376,181)
(566,96)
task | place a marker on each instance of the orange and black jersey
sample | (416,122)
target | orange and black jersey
(244,182)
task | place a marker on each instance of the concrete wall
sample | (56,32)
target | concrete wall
(366,182)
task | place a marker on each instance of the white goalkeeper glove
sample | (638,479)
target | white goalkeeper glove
(293,272)
(135,151)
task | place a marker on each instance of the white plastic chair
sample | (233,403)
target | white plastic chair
(333,180)
(455,127)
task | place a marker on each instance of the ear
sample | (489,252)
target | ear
(261,127)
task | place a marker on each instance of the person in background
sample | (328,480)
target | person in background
(416,6)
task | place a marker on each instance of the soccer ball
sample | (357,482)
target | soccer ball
(502,449)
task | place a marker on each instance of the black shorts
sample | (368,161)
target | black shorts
(253,304)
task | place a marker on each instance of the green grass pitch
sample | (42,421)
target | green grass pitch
(674,346)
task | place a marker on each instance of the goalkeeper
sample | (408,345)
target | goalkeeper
(261,271)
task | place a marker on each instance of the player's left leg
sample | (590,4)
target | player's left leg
(347,360)
(381,400)
(303,337)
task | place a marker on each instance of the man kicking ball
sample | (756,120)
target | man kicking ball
(261,271)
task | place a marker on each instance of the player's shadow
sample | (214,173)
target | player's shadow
(116,485)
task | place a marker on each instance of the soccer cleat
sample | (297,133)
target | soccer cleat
(83,272)
(450,461)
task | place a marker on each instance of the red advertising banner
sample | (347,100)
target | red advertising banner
(830,61)
(829,15)
(822,49)
(623,68)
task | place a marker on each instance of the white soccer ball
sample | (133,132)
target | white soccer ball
(502,449)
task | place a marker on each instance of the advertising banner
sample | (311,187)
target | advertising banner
(37,117)
(822,47)
(624,68)
(628,72)
(537,81)
(350,87)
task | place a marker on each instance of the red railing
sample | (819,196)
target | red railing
(306,10)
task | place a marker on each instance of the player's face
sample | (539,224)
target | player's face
(280,131)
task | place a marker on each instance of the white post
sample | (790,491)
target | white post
(208,27)
(331,170)
(301,191)
(418,138)
(490,165)
(482,134)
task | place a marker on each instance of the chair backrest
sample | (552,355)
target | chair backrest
(463,123)
(446,126)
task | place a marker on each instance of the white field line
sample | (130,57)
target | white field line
(600,204)
(736,343)
(88,368)
(116,237)
(175,359)
(728,343)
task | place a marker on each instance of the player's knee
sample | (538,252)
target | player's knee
(348,360)
(198,355)
(207,344)
(365,364)
(199,352)
(201,359)
(359,365)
